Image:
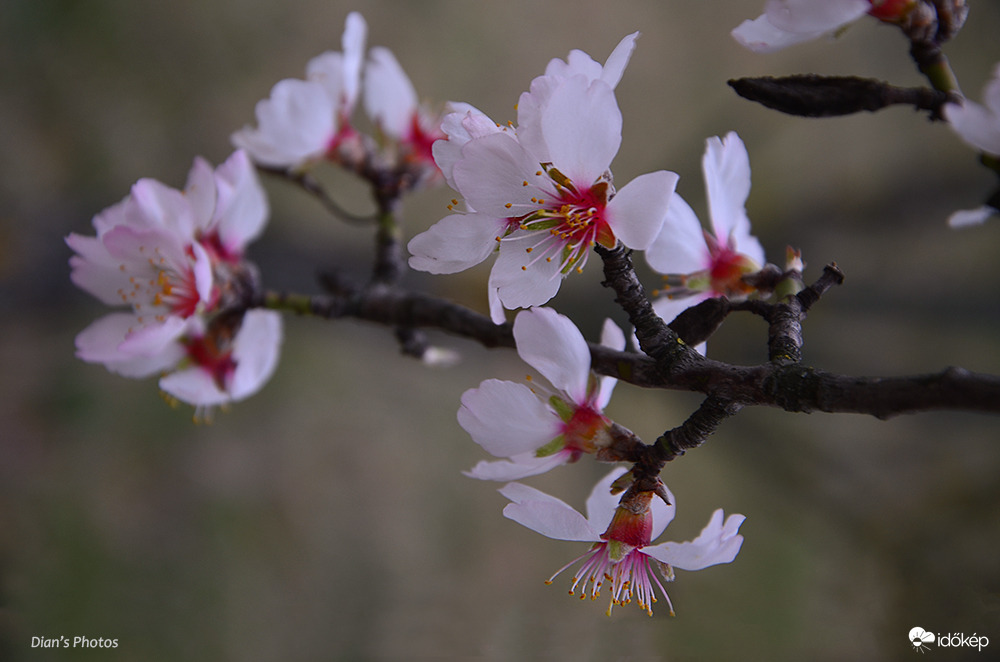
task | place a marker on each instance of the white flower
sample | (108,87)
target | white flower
(305,120)
(542,193)
(788,22)
(708,264)
(537,430)
(173,257)
(622,553)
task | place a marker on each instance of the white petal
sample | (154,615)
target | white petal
(582,128)
(552,345)
(295,125)
(637,212)
(389,97)
(520,280)
(618,60)
(601,503)
(353,44)
(611,336)
(976,125)
(726,167)
(101,342)
(200,192)
(966,217)
(663,514)
(668,309)
(680,247)
(506,418)
(518,466)
(456,243)
(242,209)
(810,16)
(153,339)
(546,514)
(255,351)
(491,176)
(157,206)
(718,543)
(194,386)
(94,270)
(760,36)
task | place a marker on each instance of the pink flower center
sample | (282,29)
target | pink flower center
(583,431)
(214,356)
(727,271)
(890,10)
(161,290)
(572,222)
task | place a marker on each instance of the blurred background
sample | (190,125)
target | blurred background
(327,518)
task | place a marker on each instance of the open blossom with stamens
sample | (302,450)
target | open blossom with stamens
(542,193)
(706,264)
(175,259)
(304,121)
(979,126)
(788,22)
(537,429)
(622,558)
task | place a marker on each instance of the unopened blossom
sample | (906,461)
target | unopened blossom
(536,428)
(622,559)
(174,260)
(541,192)
(305,121)
(709,263)
(788,22)
(979,126)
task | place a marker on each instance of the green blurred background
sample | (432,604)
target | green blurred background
(327,518)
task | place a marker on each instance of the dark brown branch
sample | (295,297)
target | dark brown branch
(811,95)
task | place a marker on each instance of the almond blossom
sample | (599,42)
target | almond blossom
(788,22)
(979,126)
(707,264)
(304,121)
(175,260)
(535,428)
(622,555)
(542,193)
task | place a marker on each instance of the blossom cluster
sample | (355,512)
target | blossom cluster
(536,195)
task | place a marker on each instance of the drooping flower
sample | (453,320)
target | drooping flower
(979,126)
(537,429)
(542,193)
(176,260)
(706,264)
(622,557)
(788,22)
(304,121)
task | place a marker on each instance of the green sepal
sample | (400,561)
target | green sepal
(552,447)
(563,410)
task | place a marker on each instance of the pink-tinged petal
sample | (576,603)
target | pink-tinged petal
(760,36)
(94,270)
(112,216)
(456,243)
(552,345)
(327,69)
(460,126)
(726,166)
(577,63)
(152,339)
(255,351)
(158,206)
(680,247)
(637,212)
(491,176)
(613,337)
(582,128)
(242,208)
(517,467)
(200,193)
(520,280)
(203,273)
(295,125)
(389,97)
(353,44)
(101,343)
(810,16)
(194,386)
(506,418)
(546,514)
(718,543)
(601,503)
(529,116)
(966,217)
(978,125)
(497,313)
